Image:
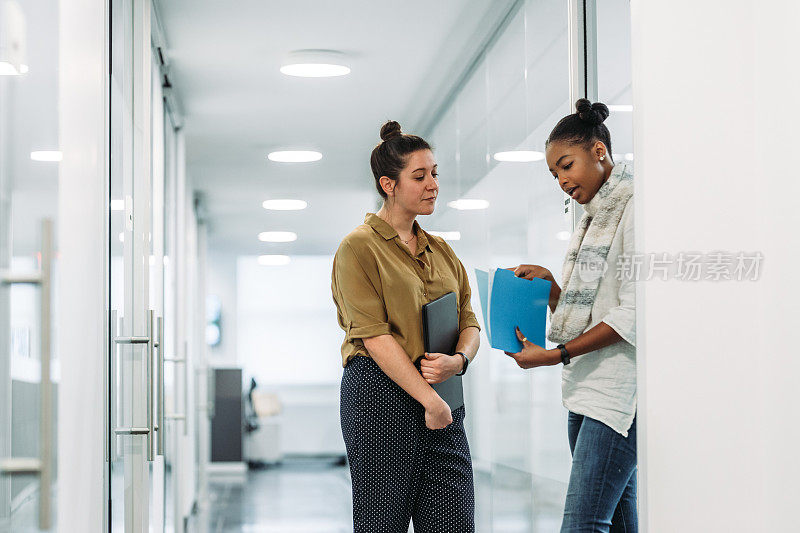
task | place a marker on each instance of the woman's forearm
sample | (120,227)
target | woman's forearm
(395,363)
(600,336)
(469,340)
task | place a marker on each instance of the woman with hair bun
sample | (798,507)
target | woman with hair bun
(408,453)
(594,324)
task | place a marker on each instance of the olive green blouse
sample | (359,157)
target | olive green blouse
(379,287)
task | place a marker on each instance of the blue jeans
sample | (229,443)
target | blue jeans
(602,485)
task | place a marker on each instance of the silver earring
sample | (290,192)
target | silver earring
(602,158)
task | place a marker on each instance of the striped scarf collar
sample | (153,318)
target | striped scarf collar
(588,251)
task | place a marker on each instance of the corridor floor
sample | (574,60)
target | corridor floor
(305,496)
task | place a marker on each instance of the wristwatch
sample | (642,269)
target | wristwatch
(564,354)
(466,363)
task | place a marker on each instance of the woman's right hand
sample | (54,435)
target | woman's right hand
(533,271)
(536,271)
(437,414)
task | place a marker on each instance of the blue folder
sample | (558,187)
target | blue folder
(509,302)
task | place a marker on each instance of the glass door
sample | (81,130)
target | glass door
(173,367)
(29,155)
(156,283)
(134,352)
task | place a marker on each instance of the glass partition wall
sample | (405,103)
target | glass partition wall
(522,84)
(153,235)
(142,352)
(614,74)
(29,363)
(133,346)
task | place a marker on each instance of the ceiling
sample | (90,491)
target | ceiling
(236,105)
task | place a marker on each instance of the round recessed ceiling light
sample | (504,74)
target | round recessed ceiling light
(466,204)
(447,235)
(315,70)
(284,205)
(315,64)
(273,260)
(277,236)
(294,156)
(519,156)
(46,155)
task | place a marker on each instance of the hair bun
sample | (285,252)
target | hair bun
(591,113)
(389,130)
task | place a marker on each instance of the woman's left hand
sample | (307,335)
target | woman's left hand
(439,367)
(533,355)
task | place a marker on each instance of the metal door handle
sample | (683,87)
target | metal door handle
(160,345)
(30,278)
(43,464)
(132,340)
(132,431)
(151,342)
(20,465)
(150,384)
(181,416)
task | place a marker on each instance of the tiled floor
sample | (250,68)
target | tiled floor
(297,497)
(314,497)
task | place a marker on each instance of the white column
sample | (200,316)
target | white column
(82,232)
(716,127)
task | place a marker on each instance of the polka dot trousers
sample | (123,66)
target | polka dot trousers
(401,470)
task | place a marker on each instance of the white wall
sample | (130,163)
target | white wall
(289,341)
(287,322)
(715,135)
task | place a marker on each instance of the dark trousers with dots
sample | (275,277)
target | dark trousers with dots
(401,470)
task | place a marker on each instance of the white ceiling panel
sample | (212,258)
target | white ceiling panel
(224,60)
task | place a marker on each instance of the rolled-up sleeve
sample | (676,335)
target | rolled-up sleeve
(622,318)
(362,312)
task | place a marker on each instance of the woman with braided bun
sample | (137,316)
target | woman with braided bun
(408,453)
(593,322)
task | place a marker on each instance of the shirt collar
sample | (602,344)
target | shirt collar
(385,230)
